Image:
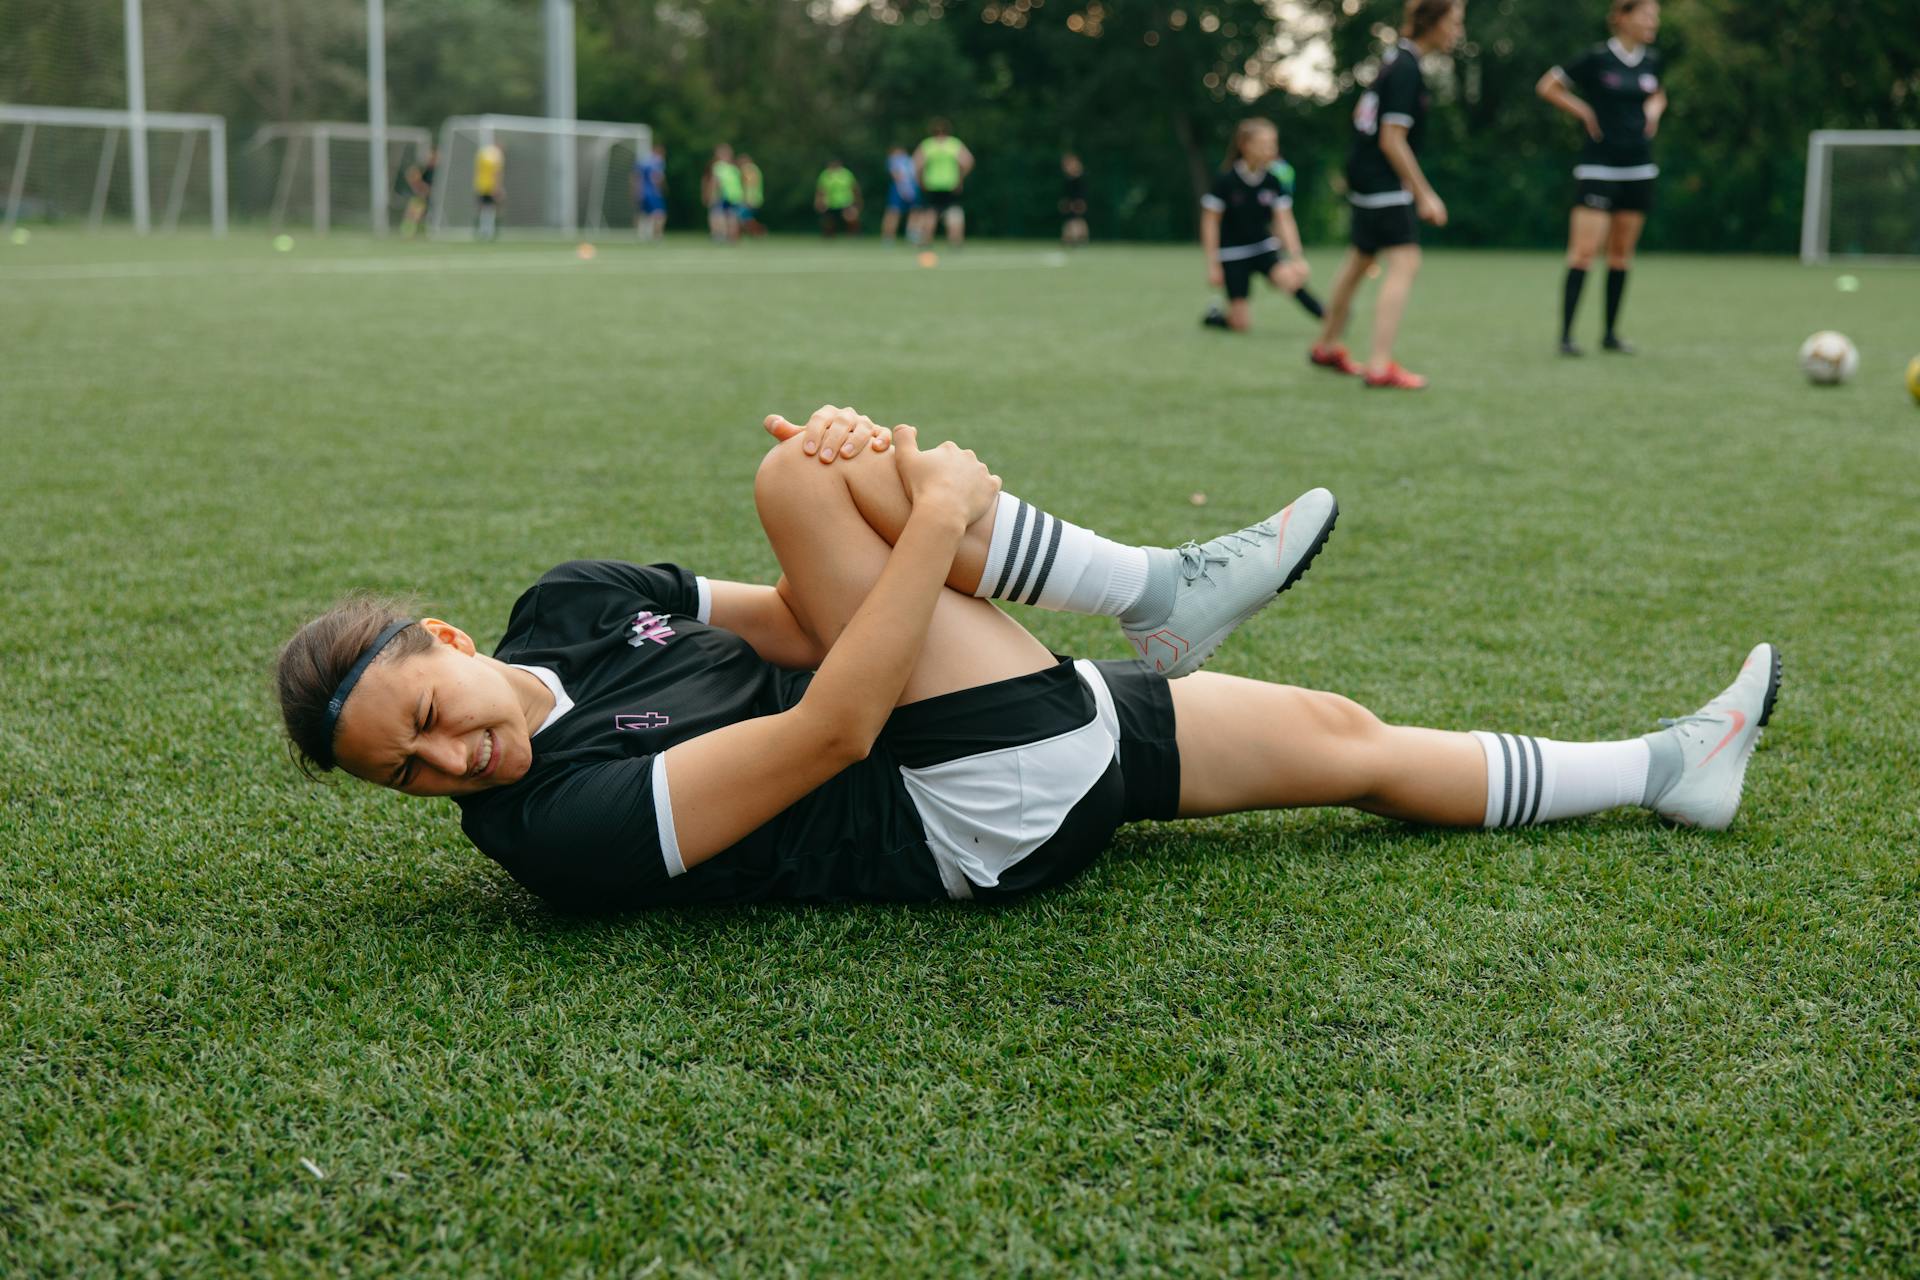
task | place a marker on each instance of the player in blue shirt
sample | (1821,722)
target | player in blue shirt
(650,193)
(903,193)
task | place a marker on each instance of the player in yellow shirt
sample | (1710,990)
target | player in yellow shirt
(942,163)
(489,173)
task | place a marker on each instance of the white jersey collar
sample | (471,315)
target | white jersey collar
(1247,175)
(1620,51)
(561,702)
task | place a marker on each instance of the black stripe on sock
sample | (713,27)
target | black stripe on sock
(1046,565)
(1539,780)
(1520,795)
(1013,552)
(1033,553)
(1506,778)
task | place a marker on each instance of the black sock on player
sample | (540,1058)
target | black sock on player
(1305,298)
(1570,301)
(1616,290)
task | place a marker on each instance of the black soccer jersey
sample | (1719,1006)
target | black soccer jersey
(634,671)
(1617,88)
(1398,96)
(1245,201)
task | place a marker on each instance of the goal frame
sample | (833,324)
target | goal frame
(561,179)
(1816,217)
(316,136)
(114,123)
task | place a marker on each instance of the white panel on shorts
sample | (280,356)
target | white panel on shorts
(986,812)
(663,819)
(1379,199)
(1616,173)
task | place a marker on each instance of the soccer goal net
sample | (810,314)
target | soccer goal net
(557,176)
(1863,195)
(318,172)
(89,167)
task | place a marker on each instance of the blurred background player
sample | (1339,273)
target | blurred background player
(942,163)
(489,185)
(650,193)
(1387,191)
(753,194)
(722,192)
(1614,91)
(836,198)
(1073,200)
(419,178)
(1247,226)
(903,193)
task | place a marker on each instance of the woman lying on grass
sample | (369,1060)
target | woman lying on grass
(873,727)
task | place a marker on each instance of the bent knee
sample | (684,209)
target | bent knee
(787,475)
(1341,717)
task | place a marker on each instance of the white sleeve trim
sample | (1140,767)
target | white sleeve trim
(1213,202)
(1396,117)
(1561,76)
(663,817)
(703,609)
(1284,202)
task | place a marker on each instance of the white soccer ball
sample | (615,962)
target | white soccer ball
(1828,358)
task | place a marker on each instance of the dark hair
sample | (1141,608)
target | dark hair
(1423,16)
(940,125)
(312,664)
(1237,148)
(1620,9)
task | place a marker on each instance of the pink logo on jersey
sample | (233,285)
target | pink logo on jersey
(644,720)
(1649,83)
(649,626)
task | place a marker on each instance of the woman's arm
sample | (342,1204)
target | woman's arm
(726,784)
(1655,108)
(762,617)
(1399,153)
(1554,88)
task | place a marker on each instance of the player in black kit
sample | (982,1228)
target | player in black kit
(1388,192)
(1616,92)
(873,727)
(1247,227)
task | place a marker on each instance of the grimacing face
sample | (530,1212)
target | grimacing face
(447,722)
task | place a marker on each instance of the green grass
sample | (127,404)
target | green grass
(1310,1042)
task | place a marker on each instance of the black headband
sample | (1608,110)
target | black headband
(339,699)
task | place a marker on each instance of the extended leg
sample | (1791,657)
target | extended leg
(1353,269)
(1245,744)
(1586,232)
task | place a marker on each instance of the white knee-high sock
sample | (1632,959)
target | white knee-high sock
(1533,780)
(1037,558)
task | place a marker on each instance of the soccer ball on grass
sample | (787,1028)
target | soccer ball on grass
(1828,358)
(1913,379)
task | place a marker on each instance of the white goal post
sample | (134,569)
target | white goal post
(1863,196)
(561,176)
(63,160)
(307,182)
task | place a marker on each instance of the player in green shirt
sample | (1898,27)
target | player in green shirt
(942,163)
(753,190)
(836,198)
(724,194)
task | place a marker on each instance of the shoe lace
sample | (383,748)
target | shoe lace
(1197,560)
(1685,723)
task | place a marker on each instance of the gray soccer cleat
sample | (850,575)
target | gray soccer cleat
(1715,744)
(1224,582)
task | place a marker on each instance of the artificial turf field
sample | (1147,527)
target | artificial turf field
(257,1026)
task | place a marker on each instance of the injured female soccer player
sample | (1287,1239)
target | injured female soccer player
(874,727)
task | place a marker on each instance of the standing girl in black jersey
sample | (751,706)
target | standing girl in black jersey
(1615,91)
(1390,195)
(1247,227)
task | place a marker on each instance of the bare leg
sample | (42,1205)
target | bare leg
(1353,269)
(956,227)
(830,556)
(1586,232)
(890,224)
(1403,264)
(1623,237)
(1239,314)
(1245,744)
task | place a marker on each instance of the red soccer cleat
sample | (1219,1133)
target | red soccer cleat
(1398,378)
(1336,359)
